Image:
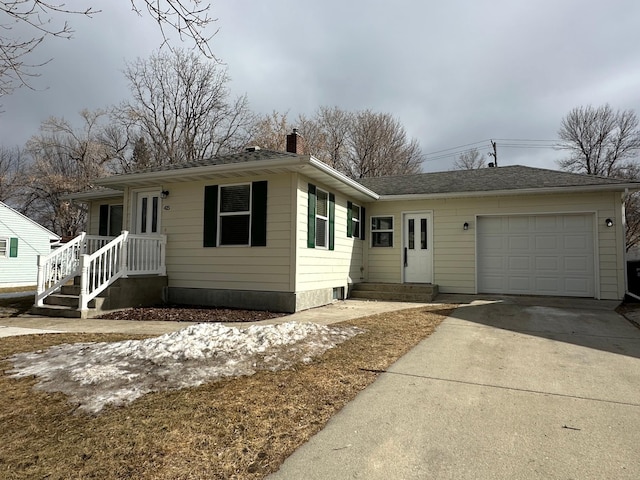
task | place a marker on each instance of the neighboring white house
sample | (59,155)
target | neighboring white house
(21,241)
(284,231)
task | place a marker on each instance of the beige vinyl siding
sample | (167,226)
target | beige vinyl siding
(190,265)
(319,268)
(454,251)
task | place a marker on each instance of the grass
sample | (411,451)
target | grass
(241,428)
(12,307)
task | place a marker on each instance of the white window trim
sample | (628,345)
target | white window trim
(374,231)
(355,221)
(322,217)
(7,246)
(221,214)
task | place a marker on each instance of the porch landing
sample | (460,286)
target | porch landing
(395,292)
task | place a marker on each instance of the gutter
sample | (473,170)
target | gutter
(525,191)
(314,162)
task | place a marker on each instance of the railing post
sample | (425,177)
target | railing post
(84,282)
(124,254)
(40,287)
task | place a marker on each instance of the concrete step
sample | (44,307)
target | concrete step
(395,292)
(56,311)
(62,300)
(72,301)
(70,290)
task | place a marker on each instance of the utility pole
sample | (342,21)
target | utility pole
(494,154)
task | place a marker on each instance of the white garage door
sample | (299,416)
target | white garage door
(536,255)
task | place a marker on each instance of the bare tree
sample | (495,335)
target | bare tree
(605,143)
(189,18)
(599,141)
(270,131)
(64,160)
(378,146)
(182,107)
(469,160)
(12,166)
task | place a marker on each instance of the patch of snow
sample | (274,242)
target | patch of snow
(98,374)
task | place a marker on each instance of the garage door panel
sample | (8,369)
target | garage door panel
(578,242)
(577,265)
(546,242)
(544,255)
(519,284)
(517,225)
(519,263)
(518,243)
(547,285)
(549,264)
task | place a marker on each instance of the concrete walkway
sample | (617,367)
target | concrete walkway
(505,388)
(336,312)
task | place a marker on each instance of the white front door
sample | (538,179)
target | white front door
(417,248)
(148,213)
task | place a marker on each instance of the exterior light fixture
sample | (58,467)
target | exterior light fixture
(608,222)
(164,193)
(465,226)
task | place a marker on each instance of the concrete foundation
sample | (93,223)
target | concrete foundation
(286,302)
(139,291)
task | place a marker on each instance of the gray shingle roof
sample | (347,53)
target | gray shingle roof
(514,177)
(246,156)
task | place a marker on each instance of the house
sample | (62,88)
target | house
(283,231)
(21,241)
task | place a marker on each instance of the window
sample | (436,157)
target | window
(382,231)
(110,220)
(8,247)
(321,218)
(235,215)
(355,221)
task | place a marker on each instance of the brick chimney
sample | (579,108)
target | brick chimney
(295,143)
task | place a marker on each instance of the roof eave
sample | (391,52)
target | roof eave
(120,182)
(524,191)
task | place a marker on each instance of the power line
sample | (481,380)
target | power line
(456,151)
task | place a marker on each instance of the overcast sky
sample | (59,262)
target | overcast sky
(454,73)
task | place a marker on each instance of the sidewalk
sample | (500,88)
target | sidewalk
(336,312)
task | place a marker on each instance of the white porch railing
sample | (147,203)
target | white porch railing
(99,261)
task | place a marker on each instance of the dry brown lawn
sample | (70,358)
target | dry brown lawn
(241,428)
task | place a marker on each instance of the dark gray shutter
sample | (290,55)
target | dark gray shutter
(349,219)
(363,225)
(332,221)
(210,230)
(259,214)
(311,217)
(103,229)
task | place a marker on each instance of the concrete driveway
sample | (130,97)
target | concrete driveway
(510,388)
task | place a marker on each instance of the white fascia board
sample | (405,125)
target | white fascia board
(93,195)
(343,178)
(502,193)
(133,178)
